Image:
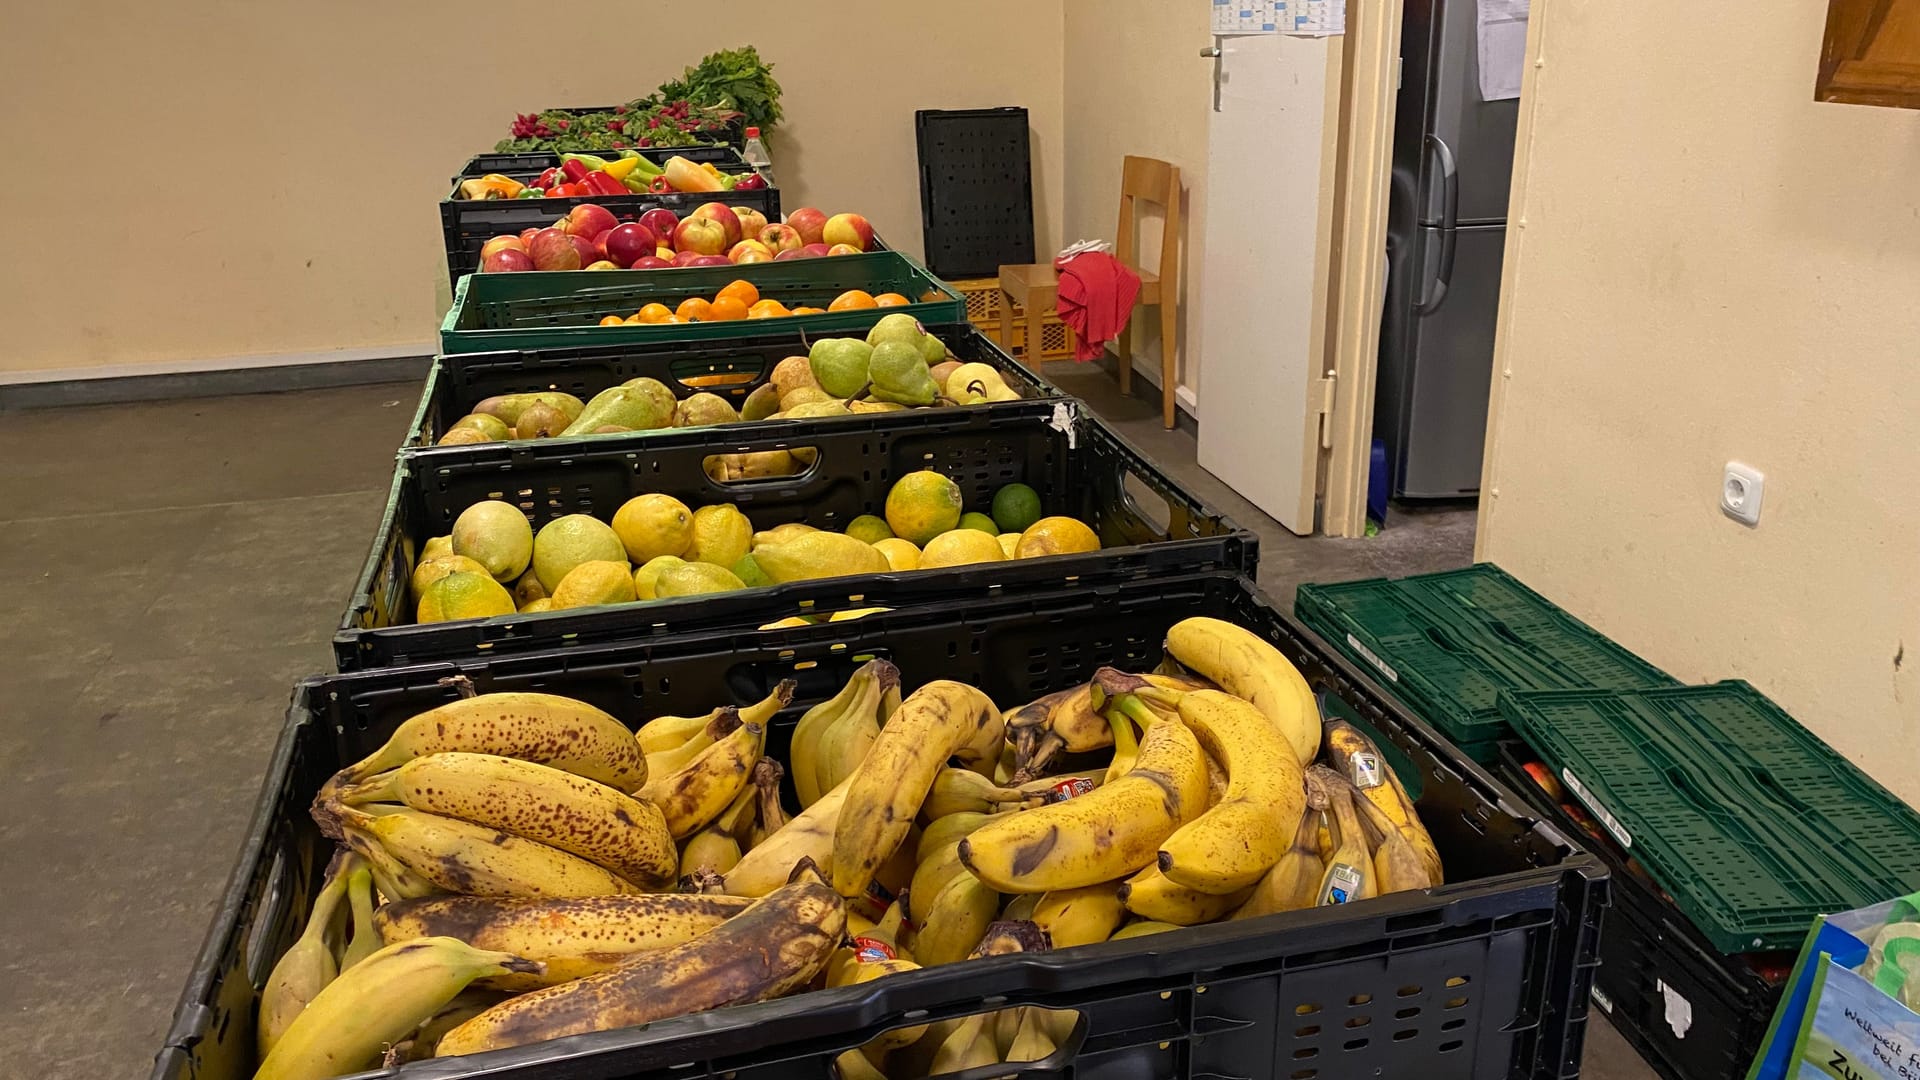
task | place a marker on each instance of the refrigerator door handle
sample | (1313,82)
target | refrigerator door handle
(1449,220)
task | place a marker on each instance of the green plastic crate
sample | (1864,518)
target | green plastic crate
(1449,643)
(1749,821)
(555,310)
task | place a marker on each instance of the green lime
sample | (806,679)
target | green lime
(869,529)
(979,521)
(749,572)
(1016,507)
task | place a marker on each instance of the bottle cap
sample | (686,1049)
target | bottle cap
(753,133)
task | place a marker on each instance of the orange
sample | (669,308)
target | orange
(808,311)
(890,299)
(694,309)
(743,290)
(852,300)
(672,320)
(634,320)
(653,313)
(767,309)
(612,320)
(728,308)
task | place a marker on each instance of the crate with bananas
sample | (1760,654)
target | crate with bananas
(883,864)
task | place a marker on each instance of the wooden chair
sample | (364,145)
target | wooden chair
(1036,287)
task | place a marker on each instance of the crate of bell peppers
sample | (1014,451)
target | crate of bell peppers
(627,184)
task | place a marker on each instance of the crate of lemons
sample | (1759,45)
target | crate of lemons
(655,547)
(897,366)
(516,867)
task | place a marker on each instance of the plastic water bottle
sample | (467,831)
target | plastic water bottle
(756,155)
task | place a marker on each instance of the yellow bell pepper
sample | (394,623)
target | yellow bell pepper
(619,169)
(491,186)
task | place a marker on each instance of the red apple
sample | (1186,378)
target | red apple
(552,249)
(779,238)
(751,220)
(651,262)
(685,258)
(791,253)
(588,253)
(808,222)
(706,235)
(526,237)
(849,229)
(748,258)
(625,244)
(602,264)
(843,249)
(589,219)
(710,260)
(661,220)
(723,214)
(814,251)
(506,260)
(745,246)
(502,243)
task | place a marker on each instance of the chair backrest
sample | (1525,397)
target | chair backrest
(1155,181)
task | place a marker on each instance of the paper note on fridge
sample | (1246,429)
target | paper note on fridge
(1301,18)
(1503,48)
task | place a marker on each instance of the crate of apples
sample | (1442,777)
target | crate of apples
(714,234)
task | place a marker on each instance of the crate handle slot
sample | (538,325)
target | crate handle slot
(735,471)
(1134,491)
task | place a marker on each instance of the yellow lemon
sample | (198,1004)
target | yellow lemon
(1009,542)
(693,579)
(497,536)
(464,594)
(780,534)
(646,580)
(654,525)
(869,528)
(1056,536)
(961,546)
(567,542)
(901,554)
(436,547)
(545,603)
(922,505)
(432,570)
(601,581)
(721,535)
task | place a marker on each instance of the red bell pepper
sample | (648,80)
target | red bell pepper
(547,179)
(659,185)
(575,169)
(567,191)
(599,183)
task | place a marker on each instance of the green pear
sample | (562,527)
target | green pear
(762,403)
(629,406)
(899,327)
(840,365)
(900,375)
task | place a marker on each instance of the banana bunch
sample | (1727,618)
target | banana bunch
(710,780)
(834,736)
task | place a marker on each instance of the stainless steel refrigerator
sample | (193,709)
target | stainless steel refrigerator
(1446,227)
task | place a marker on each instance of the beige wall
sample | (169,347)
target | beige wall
(1711,267)
(216,180)
(1135,84)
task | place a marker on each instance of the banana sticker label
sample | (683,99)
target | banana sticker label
(1070,788)
(1342,883)
(1366,771)
(867,950)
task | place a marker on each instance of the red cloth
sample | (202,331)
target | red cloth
(1096,299)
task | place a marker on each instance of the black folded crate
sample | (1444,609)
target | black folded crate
(1693,1012)
(732,368)
(1485,977)
(1147,523)
(467,224)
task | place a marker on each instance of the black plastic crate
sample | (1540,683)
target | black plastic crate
(976,190)
(1691,1011)
(1483,978)
(467,224)
(732,369)
(1149,525)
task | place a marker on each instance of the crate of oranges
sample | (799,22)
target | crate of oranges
(817,296)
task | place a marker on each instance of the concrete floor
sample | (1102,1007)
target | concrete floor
(168,592)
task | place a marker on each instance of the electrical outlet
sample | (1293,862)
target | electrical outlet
(1740,492)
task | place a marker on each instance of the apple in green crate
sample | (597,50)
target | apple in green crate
(809,223)
(501,243)
(661,220)
(751,220)
(588,219)
(628,243)
(779,238)
(843,249)
(505,261)
(815,250)
(552,249)
(704,235)
(722,214)
(746,247)
(849,229)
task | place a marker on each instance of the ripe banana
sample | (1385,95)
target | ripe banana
(1021,907)
(1153,896)
(1142,928)
(714,848)
(1247,667)
(1126,746)
(308,965)
(536,802)
(889,881)
(769,815)
(666,732)
(1349,875)
(468,1004)
(872,954)
(855,1065)
(709,783)
(385,997)
(1233,844)
(802,752)
(1294,882)
(769,864)
(949,829)
(366,940)
(930,876)
(394,880)
(1068,722)
(543,728)
(1397,866)
(1008,936)
(1351,754)
(845,743)
(956,791)
(461,857)
(573,938)
(1105,834)
(1081,916)
(969,1047)
(726,720)
(775,946)
(952,925)
(1033,1041)
(942,720)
